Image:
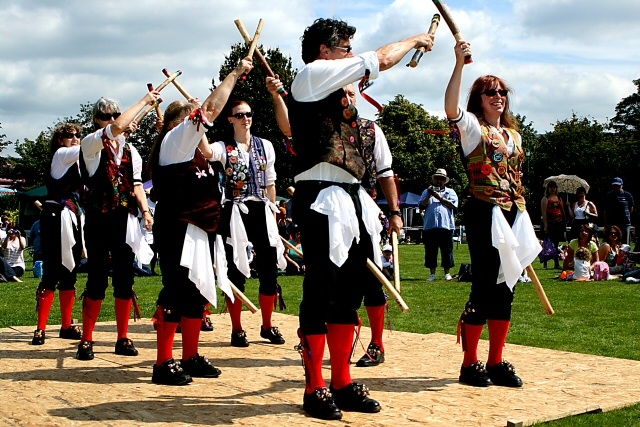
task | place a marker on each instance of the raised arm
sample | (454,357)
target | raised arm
(282,112)
(122,123)
(217,99)
(452,94)
(393,53)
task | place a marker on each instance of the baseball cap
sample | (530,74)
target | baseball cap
(387,248)
(617,181)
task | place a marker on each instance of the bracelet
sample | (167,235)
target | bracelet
(391,213)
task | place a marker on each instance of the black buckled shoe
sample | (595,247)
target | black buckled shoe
(320,404)
(38,337)
(199,366)
(170,373)
(239,339)
(354,397)
(474,375)
(85,350)
(73,332)
(504,374)
(207,325)
(373,357)
(272,334)
(125,347)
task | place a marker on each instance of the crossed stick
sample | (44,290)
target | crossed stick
(164,84)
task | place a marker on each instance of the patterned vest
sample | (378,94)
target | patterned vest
(493,173)
(368,140)
(67,190)
(188,192)
(111,187)
(327,131)
(241,179)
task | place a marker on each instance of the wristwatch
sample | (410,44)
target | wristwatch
(395,213)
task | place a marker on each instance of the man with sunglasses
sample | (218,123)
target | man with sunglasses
(248,216)
(338,220)
(112,171)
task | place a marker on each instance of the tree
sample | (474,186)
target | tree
(254,91)
(34,160)
(627,118)
(416,153)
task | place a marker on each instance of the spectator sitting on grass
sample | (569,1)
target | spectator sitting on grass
(387,261)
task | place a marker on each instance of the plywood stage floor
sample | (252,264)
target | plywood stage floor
(263,384)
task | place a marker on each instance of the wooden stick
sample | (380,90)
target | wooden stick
(435,20)
(540,290)
(158,109)
(446,15)
(374,269)
(169,80)
(164,84)
(396,260)
(178,86)
(246,301)
(258,55)
(254,42)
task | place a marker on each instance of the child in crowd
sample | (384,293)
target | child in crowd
(582,267)
(387,261)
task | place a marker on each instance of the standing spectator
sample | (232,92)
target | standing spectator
(441,203)
(618,209)
(384,234)
(553,219)
(582,212)
(14,246)
(34,238)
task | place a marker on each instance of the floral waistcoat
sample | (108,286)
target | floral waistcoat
(244,179)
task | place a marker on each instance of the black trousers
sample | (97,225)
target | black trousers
(331,294)
(54,273)
(488,299)
(107,249)
(434,239)
(266,255)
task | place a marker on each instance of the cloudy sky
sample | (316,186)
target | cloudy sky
(560,56)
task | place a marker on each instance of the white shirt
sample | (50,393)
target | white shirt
(471,132)
(63,159)
(92,147)
(179,144)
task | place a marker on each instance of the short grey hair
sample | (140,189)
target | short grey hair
(105,105)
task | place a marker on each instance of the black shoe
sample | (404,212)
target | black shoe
(272,334)
(85,350)
(475,375)
(124,347)
(373,357)
(73,332)
(170,373)
(239,339)
(504,374)
(207,325)
(199,366)
(354,398)
(38,337)
(320,404)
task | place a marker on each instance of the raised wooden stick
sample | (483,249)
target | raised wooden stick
(158,109)
(540,290)
(396,260)
(421,50)
(246,301)
(374,269)
(254,42)
(178,86)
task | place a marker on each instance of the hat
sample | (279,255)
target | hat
(625,248)
(617,181)
(387,248)
(441,172)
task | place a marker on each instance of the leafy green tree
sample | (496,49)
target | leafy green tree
(34,160)
(253,90)
(416,153)
(627,118)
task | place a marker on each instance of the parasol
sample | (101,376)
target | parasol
(567,183)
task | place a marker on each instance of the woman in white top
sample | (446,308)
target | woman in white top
(582,212)
(13,247)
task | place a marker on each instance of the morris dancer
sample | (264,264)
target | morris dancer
(337,218)
(493,151)
(61,232)
(248,216)
(112,169)
(185,232)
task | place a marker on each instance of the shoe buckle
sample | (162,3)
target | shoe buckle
(362,389)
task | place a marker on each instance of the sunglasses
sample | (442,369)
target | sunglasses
(239,116)
(346,49)
(492,92)
(107,116)
(70,135)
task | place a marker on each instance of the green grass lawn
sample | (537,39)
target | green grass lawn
(591,317)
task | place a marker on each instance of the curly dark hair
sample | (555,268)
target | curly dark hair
(60,130)
(326,32)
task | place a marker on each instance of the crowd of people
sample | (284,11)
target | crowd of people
(97,207)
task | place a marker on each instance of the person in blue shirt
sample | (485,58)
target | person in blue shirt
(440,204)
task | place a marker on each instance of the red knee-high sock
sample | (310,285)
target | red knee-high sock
(313,353)
(376,320)
(67,299)
(498,330)
(340,340)
(266,309)
(190,336)
(235,310)
(165,333)
(471,337)
(45,301)
(123,313)
(90,312)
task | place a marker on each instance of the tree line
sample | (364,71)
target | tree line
(420,142)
